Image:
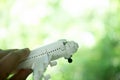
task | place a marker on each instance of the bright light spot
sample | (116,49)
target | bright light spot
(30,77)
(79,7)
(72,34)
(87,39)
(115,62)
(30,11)
(54,34)
(3,33)
(82,38)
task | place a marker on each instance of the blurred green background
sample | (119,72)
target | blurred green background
(94,24)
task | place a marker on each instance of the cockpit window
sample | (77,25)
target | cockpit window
(64,43)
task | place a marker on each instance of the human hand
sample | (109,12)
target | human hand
(9,60)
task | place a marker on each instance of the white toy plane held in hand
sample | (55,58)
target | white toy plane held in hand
(40,58)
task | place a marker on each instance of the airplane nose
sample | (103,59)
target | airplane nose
(76,45)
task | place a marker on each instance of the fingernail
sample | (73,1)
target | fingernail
(26,50)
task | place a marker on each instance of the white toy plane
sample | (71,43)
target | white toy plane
(40,58)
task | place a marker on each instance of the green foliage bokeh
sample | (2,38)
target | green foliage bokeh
(94,25)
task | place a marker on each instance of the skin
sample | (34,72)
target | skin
(9,60)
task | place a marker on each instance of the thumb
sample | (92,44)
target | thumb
(21,54)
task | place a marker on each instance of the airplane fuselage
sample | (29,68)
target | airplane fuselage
(54,50)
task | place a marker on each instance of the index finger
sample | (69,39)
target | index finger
(11,61)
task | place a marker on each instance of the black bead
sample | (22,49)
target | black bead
(70,60)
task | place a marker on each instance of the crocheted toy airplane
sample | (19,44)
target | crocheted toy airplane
(40,58)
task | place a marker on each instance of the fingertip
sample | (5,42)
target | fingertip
(21,54)
(27,71)
(27,50)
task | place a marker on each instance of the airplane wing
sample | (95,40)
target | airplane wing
(39,66)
